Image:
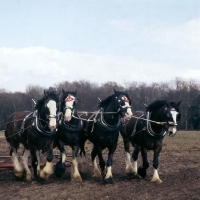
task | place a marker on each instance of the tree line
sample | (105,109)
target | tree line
(88,95)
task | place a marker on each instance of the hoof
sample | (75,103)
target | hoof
(108,180)
(19,175)
(28,177)
(96,174)
(156,181)
(77,179)
(36,179)
(142,172)
(44,176)
(132,175)
(60,169)
(83,169)
(17,178)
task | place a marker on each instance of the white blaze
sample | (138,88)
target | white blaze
(69,102)
(51,105)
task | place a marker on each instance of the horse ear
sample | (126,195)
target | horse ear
(45,94)
(59,93)
(178,104)
(63,91)
(115,92)
(167,103)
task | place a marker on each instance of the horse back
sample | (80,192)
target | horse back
(13,130)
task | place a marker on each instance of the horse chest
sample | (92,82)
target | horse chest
(147,141)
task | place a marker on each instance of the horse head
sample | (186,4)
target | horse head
(51,104)
(68,102)
(172,116)
(47,108)
(166,113)
(123,104)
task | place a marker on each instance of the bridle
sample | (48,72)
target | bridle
(165,124)
(122,108)
(69,98)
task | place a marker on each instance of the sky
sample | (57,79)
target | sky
(47,42)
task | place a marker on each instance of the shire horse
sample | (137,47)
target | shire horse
(68,133)
(36,131)
(102,129)
(146,131)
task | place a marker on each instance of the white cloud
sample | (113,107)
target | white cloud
(122,25)
(45,67)
(185,37)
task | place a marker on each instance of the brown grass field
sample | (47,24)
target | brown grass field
(179,169)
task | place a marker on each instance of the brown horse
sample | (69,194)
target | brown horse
(36,131)
(146,131)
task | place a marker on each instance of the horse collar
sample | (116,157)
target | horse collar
(103,125)
(149,129)
(36,124)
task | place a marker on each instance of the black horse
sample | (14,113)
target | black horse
(146,132)
(68,133)
(102,129)
(36,131)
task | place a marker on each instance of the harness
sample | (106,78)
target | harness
(147,127)
(36,125)
(98,118)
(134,128)
(71,127)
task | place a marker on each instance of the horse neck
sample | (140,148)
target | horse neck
(42,115)
(75,118)
(110,114)
(156,116)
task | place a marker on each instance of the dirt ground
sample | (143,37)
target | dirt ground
(179,170)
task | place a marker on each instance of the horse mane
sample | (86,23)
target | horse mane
(159,103)
(174,105)
(51,95)
(105,102)
(65,94)
(155,105)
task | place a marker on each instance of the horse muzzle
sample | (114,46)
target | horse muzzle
(172,130)
(126,112)
(67,119)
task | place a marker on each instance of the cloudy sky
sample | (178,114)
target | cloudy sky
(45,42)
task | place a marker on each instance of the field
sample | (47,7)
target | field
(179,169)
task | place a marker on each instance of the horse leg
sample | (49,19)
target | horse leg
(95,170)
(155,177)
(48,168)
(142,169)
(108,175)
(75,175)
(38,160)
(83,164)
(135,157)
(34,163)
(60,167)
(18,169)
(25,164)
(129,170)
